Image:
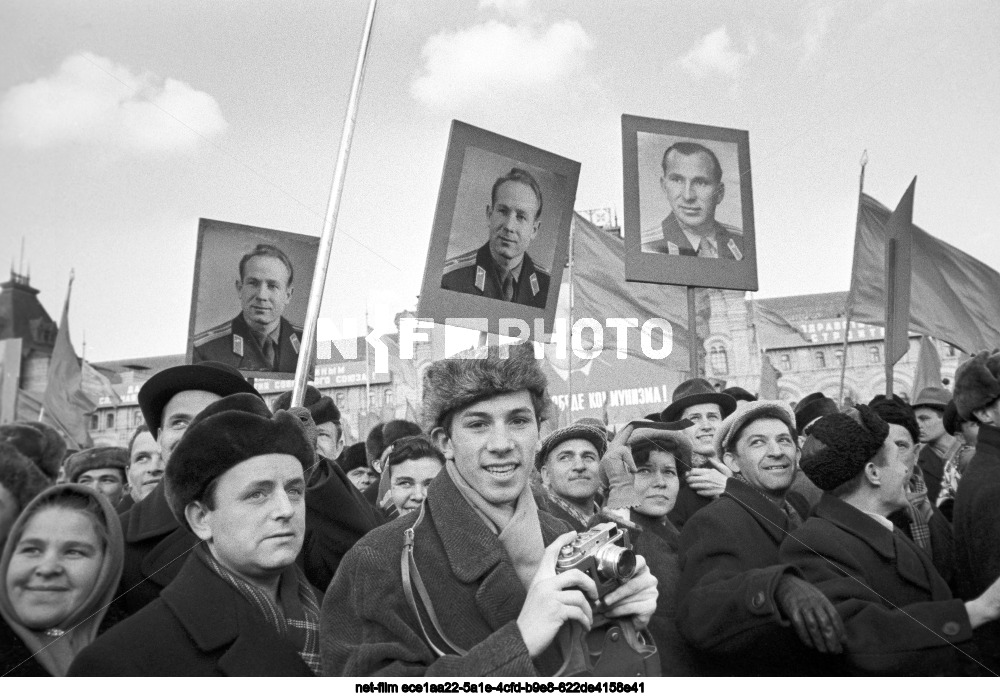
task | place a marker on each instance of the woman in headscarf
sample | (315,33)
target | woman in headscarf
(60,568)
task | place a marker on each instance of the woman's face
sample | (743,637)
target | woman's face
(410,480)
(656,484)
(54,566)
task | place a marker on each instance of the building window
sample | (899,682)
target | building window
(874,355)
(109,420)
(820,359)
(838,356)
(137,419)
(786,361)
(95,422)
(719,360)
(341,398)
(387,397)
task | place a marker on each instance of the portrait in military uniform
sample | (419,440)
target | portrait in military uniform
(502,222)
(688,205)
(250,275)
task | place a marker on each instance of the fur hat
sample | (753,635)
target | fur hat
(596,436)
(896,411)
(321,406)
(977,383)
(454,383)
(355,457)
(225,434)
(20,477)
(210,376)
(952,421)
(811,407)
(39,442)
(384,435)
(745,414)
(696,391)
(101,457)
(840,445)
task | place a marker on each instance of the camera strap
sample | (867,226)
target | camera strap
(411,578)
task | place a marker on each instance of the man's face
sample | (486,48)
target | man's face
(177,415)
(656,484)
(989,414)
(409,482)
(259,518)
(931,423)
(145,466)
(363,477)
(691,188)
(264,291)
(904,444)
(765,454)
(493,444)
(706,418)
(511,220)
(894,475)
(571,470)
(329,441)
(109,481)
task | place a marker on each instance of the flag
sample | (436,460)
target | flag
(97,386)
(953,296)
(412,414)
(768,379)
(898,251)
(928,372)
(66,405)
(10,378)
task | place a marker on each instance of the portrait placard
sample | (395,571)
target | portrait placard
(688,205)
(501,232)
(250,297)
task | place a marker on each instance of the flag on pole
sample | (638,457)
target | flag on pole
(97,386)
(898,250)
(66,405)
(928,372)
(953,296)
(768,379)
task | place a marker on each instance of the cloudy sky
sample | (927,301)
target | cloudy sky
(124,122)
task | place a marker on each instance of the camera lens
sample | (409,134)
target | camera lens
(616,562)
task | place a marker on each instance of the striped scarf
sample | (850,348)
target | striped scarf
(296,618)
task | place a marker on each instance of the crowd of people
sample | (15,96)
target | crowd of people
(723,535)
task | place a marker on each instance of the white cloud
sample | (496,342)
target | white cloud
(494,60)
(91,100)
(715,53)
(516,8)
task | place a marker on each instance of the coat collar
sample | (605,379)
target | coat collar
(772,519)
(988,443)
(150,517)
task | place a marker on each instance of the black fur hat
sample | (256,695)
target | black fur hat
(454,383)
(976,383)
(384,435)
(321,406)
(38,442)
(840,445)
(226,433)
(354,457)
(896,411)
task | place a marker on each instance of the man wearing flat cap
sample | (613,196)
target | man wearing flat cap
(899,613)
(976,518)
(745,611)
(240,605)
(937,445)
(101,468)
(698,402)
(486,554)
(569,462)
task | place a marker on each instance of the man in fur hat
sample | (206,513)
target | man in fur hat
(486,554)
(101,468)
(744,611)
(976,517)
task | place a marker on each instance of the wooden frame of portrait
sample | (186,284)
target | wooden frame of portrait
(656,251)
(475,160)
(214,298)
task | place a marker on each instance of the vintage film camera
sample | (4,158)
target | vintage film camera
(604,553)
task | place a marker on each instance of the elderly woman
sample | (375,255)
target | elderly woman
(60,568)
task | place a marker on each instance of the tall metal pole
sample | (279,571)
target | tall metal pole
(850,305)
(330,222)
(571,354)
(692,333)
(890,313)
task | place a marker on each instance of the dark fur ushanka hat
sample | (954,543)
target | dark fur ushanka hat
(37,441)
(454,383)
(320,406)
(226,433)
(896,411)
(976,383)
(101,457)
(840,445)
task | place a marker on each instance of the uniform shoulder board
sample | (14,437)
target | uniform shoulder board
(732,230)
(297,329)
(208,335)
(540,268)
(461,261)
(654,234)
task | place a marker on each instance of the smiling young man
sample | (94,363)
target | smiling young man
(744,611)
(569,460)
(240,605)
(486,554)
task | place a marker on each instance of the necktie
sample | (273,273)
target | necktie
(269,353)
(508,287)
(707,249)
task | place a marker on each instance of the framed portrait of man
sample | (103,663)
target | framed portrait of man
(501,233)
(688,205)
(250,296)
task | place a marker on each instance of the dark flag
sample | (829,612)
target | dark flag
(66,404)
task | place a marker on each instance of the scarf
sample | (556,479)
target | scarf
(295,617)
(519,532)
(565,505)
(56,647)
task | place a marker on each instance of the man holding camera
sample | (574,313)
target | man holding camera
(492,603)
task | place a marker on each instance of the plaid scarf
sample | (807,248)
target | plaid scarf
(569,508)
(919,509)
(296,618)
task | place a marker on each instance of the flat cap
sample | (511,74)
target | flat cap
(748,412)
(596,436)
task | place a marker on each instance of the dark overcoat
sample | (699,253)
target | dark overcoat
(730,571)
(976,525)
(16,659)
(234,344)
(200,626)
(475,273)
(898,611)
(368,628)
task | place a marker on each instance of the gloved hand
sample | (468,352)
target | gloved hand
(617,471)
(814,617)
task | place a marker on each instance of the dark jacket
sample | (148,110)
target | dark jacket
(368,628)
(674,241)
(232,343)
(977,534)
(475,273)
(726,599)
(200,626)
(16,660)
(898,611)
